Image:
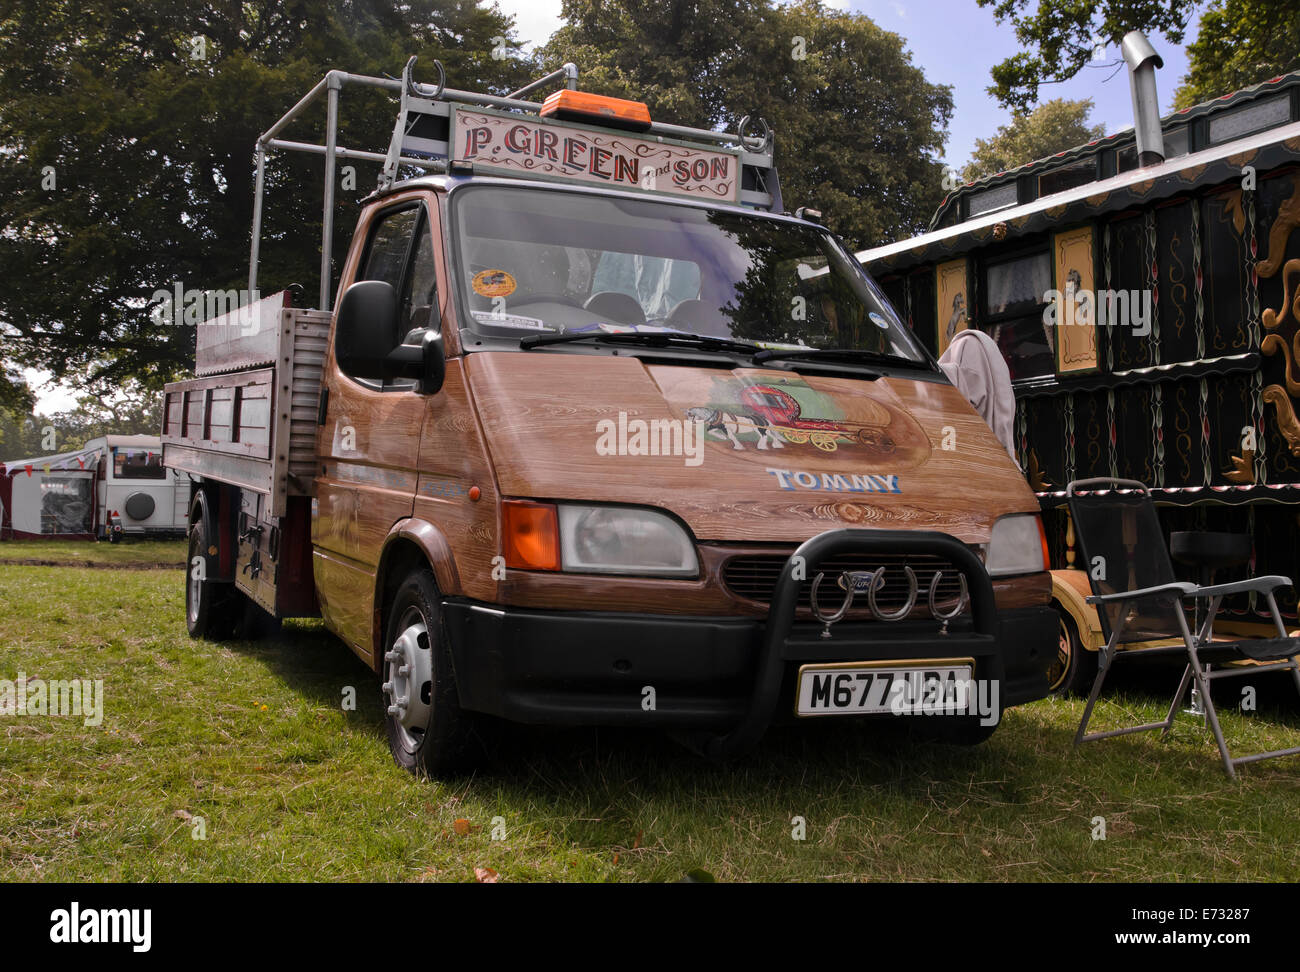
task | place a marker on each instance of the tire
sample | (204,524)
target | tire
(210,605)
(1075,668)
(428,733)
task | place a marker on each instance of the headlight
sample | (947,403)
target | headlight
(624,540)
(1017,546)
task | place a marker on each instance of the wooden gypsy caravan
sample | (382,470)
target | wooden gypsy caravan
(1149,317)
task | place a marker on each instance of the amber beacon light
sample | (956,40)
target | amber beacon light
(581,106)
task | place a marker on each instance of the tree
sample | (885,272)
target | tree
(1058,37)
(127,132)
(1052,127)
(16,402)
(1240,43)
(124,410)
(15,393)
(858,128)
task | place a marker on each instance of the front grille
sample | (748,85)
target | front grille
(753,577)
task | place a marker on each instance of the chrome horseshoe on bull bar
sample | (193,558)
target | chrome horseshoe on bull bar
(829,619)
(962,598)
(906,609)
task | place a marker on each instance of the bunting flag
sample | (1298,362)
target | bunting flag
(85,461)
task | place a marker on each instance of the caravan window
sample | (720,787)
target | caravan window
(1068,176)
(66,504)
(138,464)
(1015,295)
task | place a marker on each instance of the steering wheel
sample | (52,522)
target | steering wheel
(515,299)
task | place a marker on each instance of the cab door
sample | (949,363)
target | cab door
(369,437)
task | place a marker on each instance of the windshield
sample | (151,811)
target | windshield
(562,262)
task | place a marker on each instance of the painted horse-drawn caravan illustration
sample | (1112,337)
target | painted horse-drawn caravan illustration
(771,413)
(782,411)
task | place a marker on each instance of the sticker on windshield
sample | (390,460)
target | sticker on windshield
(493,283)
(511,320)
(879,321)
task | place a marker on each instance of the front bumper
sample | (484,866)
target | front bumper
(728,674)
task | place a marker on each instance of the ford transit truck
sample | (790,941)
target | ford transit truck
(598,433)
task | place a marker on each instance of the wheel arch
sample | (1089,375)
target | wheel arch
(410,544)
(214,503)
(1069,590)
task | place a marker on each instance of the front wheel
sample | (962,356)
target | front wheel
(428,733)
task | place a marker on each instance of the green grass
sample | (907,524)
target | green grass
(252,738)
(88,552)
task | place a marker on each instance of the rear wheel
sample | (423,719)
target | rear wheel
(428,733)
(209,604)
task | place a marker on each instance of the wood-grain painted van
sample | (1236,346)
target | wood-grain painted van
(597,434)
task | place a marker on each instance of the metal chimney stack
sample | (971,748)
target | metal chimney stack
(1142,61)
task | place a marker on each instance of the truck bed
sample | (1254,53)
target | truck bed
(251,420)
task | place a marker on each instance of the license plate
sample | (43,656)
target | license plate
(879,688)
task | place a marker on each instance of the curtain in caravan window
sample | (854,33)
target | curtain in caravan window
(1019,284)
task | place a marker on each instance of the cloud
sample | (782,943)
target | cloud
(535,20)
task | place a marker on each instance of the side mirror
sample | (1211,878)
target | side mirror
(420,356)
(366,332)
(366,339)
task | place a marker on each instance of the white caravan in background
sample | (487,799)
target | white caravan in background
(112,480)
(135,486)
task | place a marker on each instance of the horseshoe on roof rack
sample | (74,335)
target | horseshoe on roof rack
(755,143)
(417,90)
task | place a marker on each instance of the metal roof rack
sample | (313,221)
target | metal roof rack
(421,138)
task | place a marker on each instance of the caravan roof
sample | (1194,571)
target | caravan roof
(129,442)
(76,460)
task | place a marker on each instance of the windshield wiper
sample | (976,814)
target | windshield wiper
(652,339)
(756,353)
(848,354)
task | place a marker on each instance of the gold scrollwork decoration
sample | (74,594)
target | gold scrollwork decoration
(1289,425)
(1272,344)
(1290,304)
(1243,467)
(1288,218)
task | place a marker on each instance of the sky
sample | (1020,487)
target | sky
(960,54)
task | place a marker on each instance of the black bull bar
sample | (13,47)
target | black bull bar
(777,648)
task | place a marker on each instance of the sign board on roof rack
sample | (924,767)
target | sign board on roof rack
(437,126)
(514,144)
